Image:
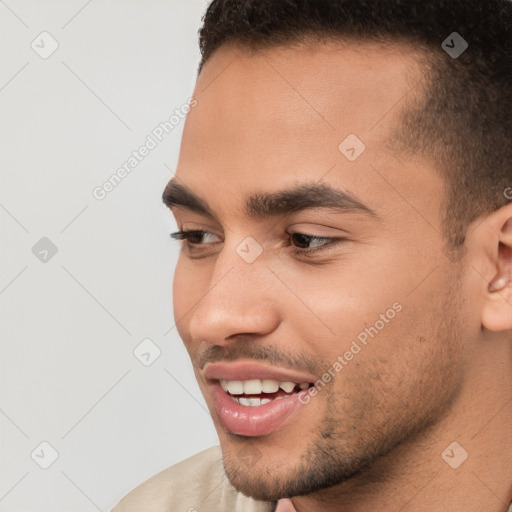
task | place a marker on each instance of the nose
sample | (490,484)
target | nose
(239,298)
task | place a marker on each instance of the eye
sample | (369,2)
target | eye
(319,243)
(193,236)
(303,244)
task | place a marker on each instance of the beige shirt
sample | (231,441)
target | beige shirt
(198,484)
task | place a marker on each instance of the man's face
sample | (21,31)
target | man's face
(378,311)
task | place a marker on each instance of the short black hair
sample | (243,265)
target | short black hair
(463,121)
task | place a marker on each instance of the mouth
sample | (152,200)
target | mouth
(255,406)
(256,392)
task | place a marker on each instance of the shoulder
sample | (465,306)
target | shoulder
(197,484)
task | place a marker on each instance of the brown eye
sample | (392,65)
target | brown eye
(303,241)
(192,237)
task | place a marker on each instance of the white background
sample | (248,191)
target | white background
(70,324)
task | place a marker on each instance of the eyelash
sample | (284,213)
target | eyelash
(186,235)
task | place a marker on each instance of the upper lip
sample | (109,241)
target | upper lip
(247,370)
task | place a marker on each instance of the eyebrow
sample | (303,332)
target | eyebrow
(267,204)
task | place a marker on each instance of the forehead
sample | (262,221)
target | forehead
(269,118)
(312,87)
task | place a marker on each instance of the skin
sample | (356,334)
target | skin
(438,372)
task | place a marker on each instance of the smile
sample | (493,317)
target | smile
(256,392)
(254,400)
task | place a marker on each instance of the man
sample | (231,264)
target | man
(344,287)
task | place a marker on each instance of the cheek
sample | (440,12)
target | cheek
(381,331)
(186,291)
(417,355)
(339,304)
(178,289)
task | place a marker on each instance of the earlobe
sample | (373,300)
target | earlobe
(497,312)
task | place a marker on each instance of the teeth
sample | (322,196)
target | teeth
(257,386)
(269,386)
(252,387)
(252,402)
(287,386)
(235,387)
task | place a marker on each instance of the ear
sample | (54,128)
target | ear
(497,312)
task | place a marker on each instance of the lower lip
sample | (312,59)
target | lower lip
(257,420)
